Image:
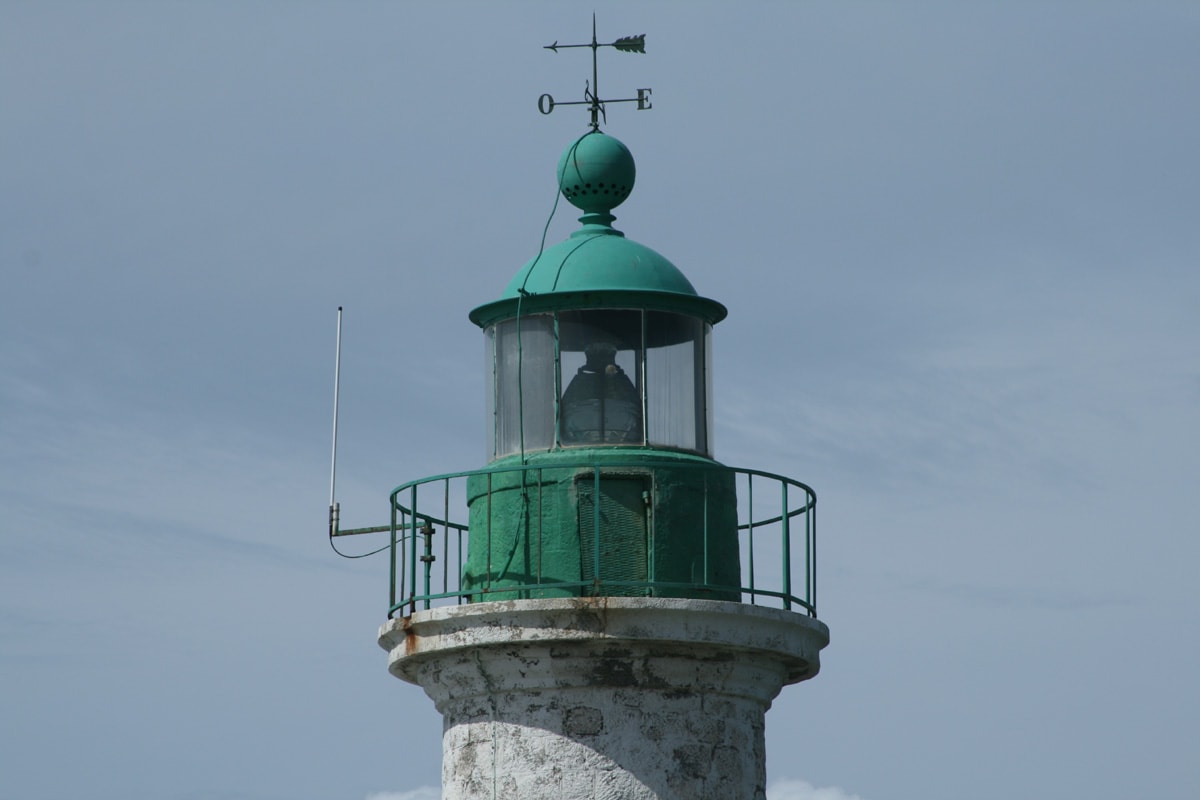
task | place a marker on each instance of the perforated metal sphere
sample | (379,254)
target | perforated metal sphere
(596,173)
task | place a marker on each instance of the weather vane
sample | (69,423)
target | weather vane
(591,92)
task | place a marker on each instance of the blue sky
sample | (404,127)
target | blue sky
(959,247)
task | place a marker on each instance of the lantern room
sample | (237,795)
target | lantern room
(599,340)
(598,364)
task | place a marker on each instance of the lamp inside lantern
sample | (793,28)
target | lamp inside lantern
(601,405)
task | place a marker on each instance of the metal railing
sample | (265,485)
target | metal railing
(430,531)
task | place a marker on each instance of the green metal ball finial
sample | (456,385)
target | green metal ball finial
(596,173)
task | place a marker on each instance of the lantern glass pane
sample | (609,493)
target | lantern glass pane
(524,389)
(600,356)
(676,382)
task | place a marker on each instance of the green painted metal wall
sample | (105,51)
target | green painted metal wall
(667,531)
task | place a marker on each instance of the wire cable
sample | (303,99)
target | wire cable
(364,555)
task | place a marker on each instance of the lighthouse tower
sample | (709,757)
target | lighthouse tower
(603,610)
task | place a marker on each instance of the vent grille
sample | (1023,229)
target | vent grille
(624,537)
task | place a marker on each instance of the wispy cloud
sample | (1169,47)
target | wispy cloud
(788,789)
(423,793)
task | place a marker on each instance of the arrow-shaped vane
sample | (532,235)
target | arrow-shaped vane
(626,44)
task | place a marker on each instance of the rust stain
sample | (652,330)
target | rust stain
(410,636)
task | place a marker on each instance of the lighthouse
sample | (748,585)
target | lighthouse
(602,609)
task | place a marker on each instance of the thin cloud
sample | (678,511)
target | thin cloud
(423,793)
(788,789)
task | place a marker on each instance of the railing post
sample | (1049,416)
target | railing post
(812,600)
(808,550)
(596,527)
(446,538)
(427,558)
(787,551)
(392,570)
(651,563)
(704,560)
(412,566)
(459,564)
(541,519)
(750,537)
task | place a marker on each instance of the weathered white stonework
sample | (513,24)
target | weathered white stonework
(604,698)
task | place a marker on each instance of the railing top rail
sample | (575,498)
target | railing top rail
(584,463)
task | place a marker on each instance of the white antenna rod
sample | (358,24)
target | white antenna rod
(337,371)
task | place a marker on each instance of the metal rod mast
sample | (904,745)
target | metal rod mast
(595,79)
(337,372)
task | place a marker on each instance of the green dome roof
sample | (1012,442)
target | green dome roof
(598,267)
(598,257)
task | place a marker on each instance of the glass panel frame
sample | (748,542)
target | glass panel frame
(599,377)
